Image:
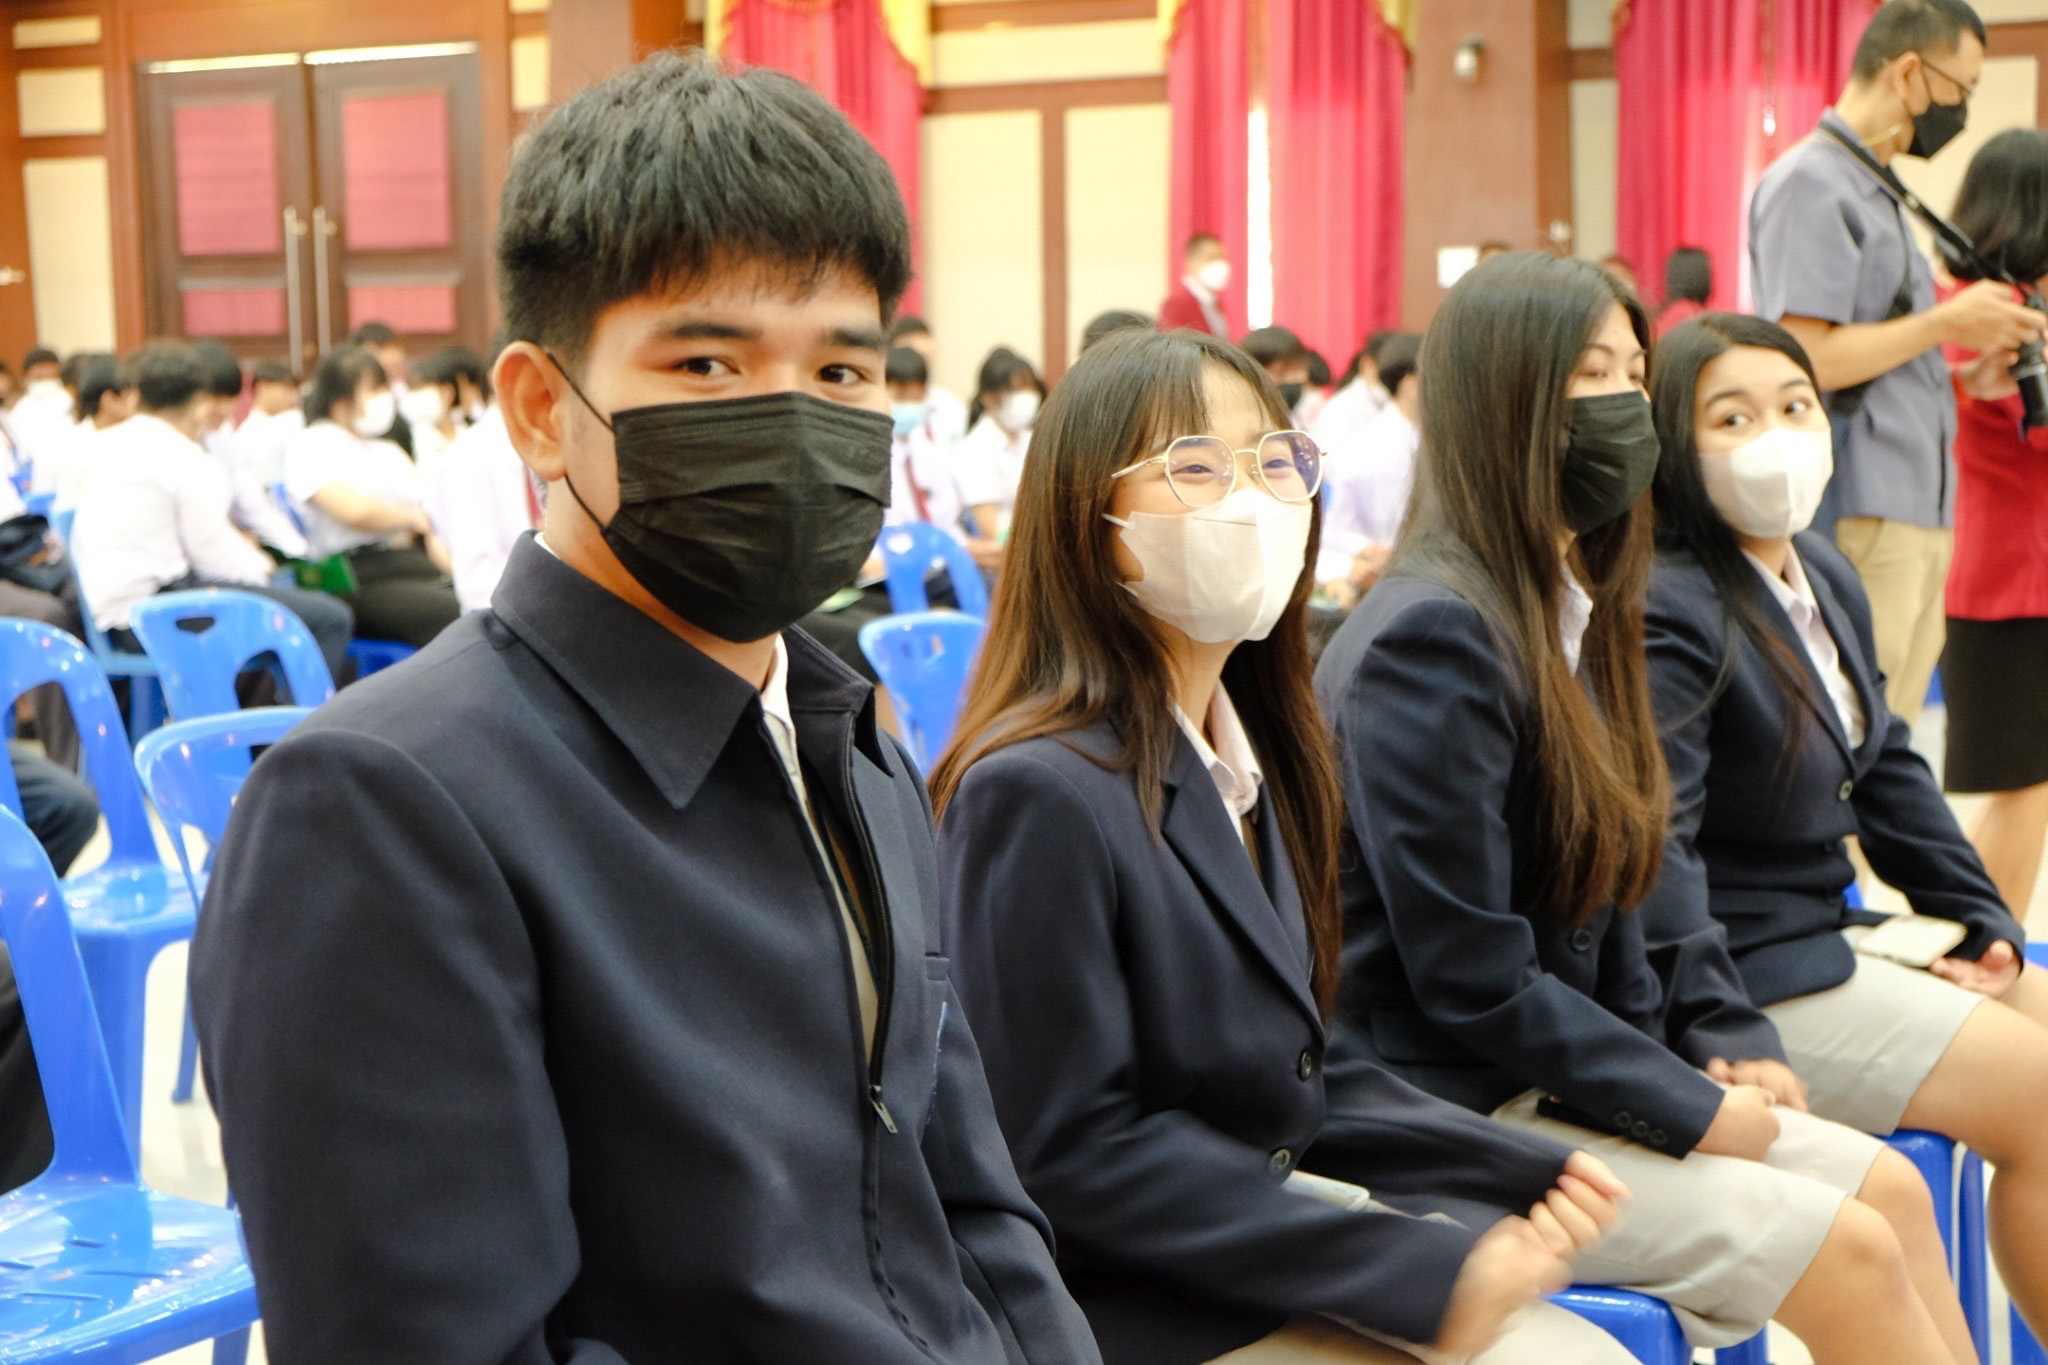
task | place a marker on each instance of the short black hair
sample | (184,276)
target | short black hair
(223,371)
(167,375)
(1399,358)
(909,325)
(1270,345)
(1114,321)
(2003,205)
(99,374)
(373,334)
(906,367)
(1318,369)
(1902,26)
(453,363)
(674,168)
(41,355)
(67,373)
(272,372)
(1689,275)
(337,377)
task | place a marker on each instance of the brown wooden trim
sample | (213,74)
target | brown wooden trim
(56,9)
(2030,35)
(1590,64)
(1032,13)
(124,163)
(46,58)
(35,148)
(1052,193)
(526,25)
(1048,95)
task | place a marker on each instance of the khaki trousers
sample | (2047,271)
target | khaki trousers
(1904,569)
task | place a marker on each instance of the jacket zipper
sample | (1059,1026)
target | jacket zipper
(881,933)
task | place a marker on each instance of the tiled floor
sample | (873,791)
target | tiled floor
(181,1144)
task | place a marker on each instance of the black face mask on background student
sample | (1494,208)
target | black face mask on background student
(1610,461)
(741,515)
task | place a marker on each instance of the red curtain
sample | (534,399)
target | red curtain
(841,48)
(1709,94)
(1337,95)
(1208,87)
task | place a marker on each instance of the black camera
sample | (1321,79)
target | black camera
(2030,372)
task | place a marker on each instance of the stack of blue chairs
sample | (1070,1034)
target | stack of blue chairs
(145,694)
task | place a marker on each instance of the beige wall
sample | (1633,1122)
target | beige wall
(71,251)
(2004,99)
(984,275)
(1117,253)
(1596,149)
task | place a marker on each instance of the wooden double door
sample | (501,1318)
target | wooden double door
(291,198)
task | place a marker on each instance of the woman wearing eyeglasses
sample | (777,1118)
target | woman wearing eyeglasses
(1137,841)
(1507,804)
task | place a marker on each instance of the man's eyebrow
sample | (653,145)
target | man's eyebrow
(858,338)
(703,329)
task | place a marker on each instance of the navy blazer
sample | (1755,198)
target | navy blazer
(1756,832)
(530,1018)
(1453,977)
(1142,1000)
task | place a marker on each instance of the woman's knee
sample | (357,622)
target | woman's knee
(1861,1252)
(1896,1189)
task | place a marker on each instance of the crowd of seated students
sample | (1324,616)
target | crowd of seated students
(1391,862)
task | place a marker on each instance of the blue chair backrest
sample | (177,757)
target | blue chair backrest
(202,639)
(32,654)
(910,551)
(923,659)
(96,638)
(71,1056)
(39,504)
(194,769)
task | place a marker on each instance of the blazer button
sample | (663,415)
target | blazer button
(1305,1066)
(1623,1119)
(1582,940)
(1640,1129)
(1658,1137)
(1282,1159)
(1847,788)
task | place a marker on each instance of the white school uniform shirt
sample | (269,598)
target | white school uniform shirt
(920,465)
(326,454)
(1794,593)
(1229,761)
(1344,418)
(155,510)
(260,442)
(1370,481)
(254,508)
(44,423)
(947,415)
(1572,619)
(988,464)
(477,496)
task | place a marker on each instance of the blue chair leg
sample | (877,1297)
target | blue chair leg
(231,1349)
(119,977)
(188,1062)
(1972,1247)
(147,709)
(2025,1350)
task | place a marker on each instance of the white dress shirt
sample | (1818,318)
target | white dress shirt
(44,420)
(1344,418)
(782,731)
(921,486)
(988,464)
(254,508)
(1795,594)
(1572,619)
(1205,298)
(947,414)
(260,443)
(1231,764)
(479,499)
(154,511)
(324,455)
(1371,480)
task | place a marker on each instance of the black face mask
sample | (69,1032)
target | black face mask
(741,515)
(1610,461)
(1939,125)
(1290,394)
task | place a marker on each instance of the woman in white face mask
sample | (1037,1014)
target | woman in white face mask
(989,459)
(1138,845)
(361,499)
(1780,746)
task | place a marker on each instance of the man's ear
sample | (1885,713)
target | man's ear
(532,393)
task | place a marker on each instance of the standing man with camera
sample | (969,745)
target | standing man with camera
(1833,260)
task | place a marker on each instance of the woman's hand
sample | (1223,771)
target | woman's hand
(1765,1072)
(1744,1125)
(1991,974)
(1575,1215)
(1508,1267)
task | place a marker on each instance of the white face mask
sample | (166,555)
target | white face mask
(375,417)
(1223,573)
(1772,486)
(1017,411)
(1214,277)
(424,407)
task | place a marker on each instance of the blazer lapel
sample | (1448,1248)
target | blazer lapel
(1197,827)
(1815,692)
(1850,650)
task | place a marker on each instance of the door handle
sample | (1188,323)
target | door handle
(11,275)
(293,304)
(324,227)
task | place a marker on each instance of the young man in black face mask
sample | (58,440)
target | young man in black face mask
(573,992)
(1833,259)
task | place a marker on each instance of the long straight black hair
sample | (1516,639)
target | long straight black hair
(1486,522)
(1687,520)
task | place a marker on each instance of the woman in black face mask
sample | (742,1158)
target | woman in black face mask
(1506,806)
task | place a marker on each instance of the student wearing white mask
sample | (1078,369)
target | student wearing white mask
(1763,672)
(1197,298)
(363,501)
(989,460)
(1138,853)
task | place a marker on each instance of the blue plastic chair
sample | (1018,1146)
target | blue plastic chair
(1955,1175)
(145,693)
(912,550)
(2026,1350)
(372,656)
(39,504)
(1645,1326)
(923,659)
(203,639)
(192,770)
(127,909)
(96,1267)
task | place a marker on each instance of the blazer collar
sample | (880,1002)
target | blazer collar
(1815,692)
(1868,695)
